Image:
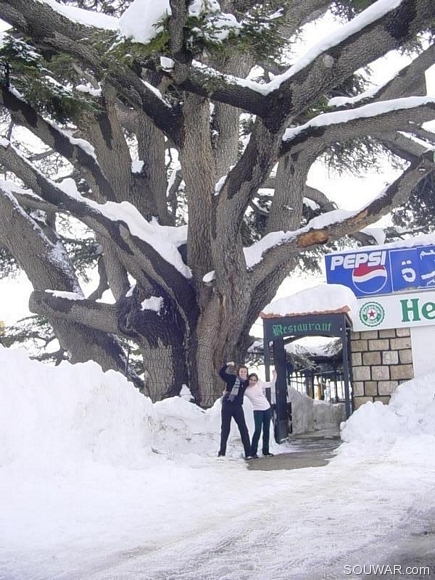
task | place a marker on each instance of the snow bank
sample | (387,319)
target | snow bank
(411,412)
(58,414)
(67,414)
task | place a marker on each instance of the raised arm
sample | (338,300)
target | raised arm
(269,384)
(223,371)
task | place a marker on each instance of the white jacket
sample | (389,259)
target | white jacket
(256,394)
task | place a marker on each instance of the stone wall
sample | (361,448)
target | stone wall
(381,360)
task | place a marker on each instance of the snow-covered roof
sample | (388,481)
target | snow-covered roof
(322,299)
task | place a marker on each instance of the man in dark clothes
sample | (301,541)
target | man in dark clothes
(232,402)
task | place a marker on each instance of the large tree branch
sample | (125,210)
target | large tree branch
(48,268)
(25,115)
(424,134)
(326,205)
(320,198)
(410,80)
(300,12)
(230,203)
(305,143)
(332,61)
(197,159)
(283,245)
(366,38)
(36,253)
(91,314)
(26,199)
(404,146)
(207,82)
(139,256)
(49,28)
(374,119)
(103,130)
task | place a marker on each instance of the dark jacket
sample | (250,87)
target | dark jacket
(230,379)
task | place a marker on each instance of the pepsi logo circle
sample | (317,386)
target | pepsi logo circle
(369,279)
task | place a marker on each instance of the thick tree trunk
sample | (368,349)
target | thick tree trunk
(218,333)
(165,370)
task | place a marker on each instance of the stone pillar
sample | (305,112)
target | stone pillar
(381,360)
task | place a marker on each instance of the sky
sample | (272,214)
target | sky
(98,483)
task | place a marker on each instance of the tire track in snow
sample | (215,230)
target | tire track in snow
(278,540)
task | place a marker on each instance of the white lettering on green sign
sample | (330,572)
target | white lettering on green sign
(413,312)
(282,330)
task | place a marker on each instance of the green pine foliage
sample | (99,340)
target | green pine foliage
(83,253)
(356,156)
(416,216)
(257,32)
(44,80)
(35,332)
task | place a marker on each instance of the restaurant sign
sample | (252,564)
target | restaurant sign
(303,325)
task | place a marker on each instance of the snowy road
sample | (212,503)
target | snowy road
(306,524)
(283,540)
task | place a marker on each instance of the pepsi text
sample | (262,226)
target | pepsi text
(351,261)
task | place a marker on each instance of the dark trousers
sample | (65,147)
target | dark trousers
(261,420)
(235,411)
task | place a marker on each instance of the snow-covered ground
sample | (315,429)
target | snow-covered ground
(97,483)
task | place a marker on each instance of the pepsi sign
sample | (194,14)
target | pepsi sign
(365,273)
(382,271)
(369,279)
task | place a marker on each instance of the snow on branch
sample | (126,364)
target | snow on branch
(369,16)
(82,16)
(30,245)
(371,110)
(75,308)
(383,109)
(104,218)
(276,248)
(367,37)
(78,152)
(366,18)
(164,239)
(39,19)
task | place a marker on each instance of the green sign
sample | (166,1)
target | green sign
(302,328)
(304,325)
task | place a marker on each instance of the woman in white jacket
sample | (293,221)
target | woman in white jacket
(262,412)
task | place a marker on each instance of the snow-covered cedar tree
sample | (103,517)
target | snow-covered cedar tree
(180,135)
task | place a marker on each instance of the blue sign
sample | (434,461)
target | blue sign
(382,271)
